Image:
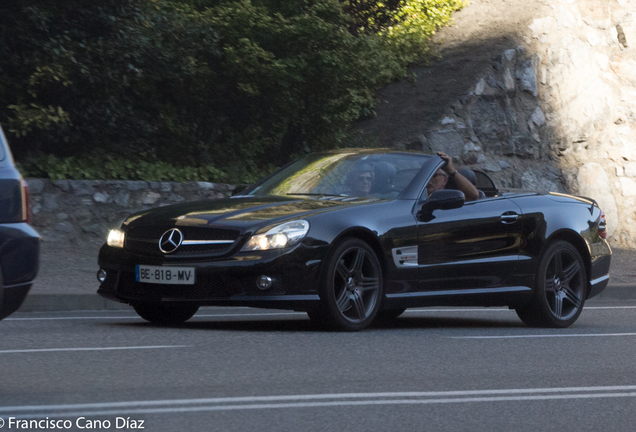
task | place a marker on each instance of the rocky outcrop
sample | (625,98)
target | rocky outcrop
(587,75)
(557,112)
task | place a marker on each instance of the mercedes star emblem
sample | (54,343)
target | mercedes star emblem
(170,240)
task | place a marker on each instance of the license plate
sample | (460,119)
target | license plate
(165,275)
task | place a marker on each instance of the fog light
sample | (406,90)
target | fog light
(101,275)
(264,282)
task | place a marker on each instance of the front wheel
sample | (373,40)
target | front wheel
(165,314)
(560,288)
(351,287)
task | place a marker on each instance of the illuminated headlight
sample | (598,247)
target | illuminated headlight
(284,235)
(116,238)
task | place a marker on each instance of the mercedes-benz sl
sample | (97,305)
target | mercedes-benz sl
(350,236)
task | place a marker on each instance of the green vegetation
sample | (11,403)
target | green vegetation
(197,89)
(108,167)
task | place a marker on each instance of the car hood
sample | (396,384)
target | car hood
(242,213)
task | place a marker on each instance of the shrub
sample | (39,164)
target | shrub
(413,25)
(239,86)
(109,167)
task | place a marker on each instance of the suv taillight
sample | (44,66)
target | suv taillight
(602,224)
(25,201)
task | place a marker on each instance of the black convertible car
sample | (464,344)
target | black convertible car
(310,238)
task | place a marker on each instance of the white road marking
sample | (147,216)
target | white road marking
(136,317)
(220,315)
(316,400)
(70,318)
(544,336)
(90,349)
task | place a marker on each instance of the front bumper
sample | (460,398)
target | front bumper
(12,297)
(221,282)
(19,262)
(19,253)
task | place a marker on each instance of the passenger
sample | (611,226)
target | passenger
(439,180)
(360,179)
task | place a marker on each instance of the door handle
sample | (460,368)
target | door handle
(509,217)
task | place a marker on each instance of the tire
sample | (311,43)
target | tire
(165,314)
(351,287)
(560,288)
(389,314)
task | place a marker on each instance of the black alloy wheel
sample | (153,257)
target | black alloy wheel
(165,314)
(561,288)
(351,287)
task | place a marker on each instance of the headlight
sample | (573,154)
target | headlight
(116,238)
(284,235)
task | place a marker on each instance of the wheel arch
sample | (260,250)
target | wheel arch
(579,243)
(368,237)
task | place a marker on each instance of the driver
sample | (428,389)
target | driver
(360,179)
(447,171)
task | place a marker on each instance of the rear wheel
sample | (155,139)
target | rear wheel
(560,290)
(351,287)
(159,313)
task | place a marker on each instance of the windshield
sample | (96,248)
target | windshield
(347,174)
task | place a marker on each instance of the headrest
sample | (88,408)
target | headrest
(384,175)
(469,174)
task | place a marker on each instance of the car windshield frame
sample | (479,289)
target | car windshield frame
(4,147)
(333,174)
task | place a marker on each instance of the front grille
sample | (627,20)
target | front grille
(205,288)
(189,233)
(145,240)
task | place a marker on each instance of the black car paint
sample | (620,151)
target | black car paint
(567,218)
(19,242)
(466,256)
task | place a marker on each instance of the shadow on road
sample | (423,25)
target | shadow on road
(447,322)
(304,325)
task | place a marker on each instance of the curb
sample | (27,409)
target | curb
(77,302)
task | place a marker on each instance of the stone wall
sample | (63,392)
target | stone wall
(587,71)
(84,210)
(558,112)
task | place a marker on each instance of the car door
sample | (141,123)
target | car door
(475,246)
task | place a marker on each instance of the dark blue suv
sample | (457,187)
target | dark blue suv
(19,243)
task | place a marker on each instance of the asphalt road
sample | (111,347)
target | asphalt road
(237,369)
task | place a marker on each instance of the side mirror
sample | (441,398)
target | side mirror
(443,200)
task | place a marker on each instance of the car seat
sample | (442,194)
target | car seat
(384,177)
